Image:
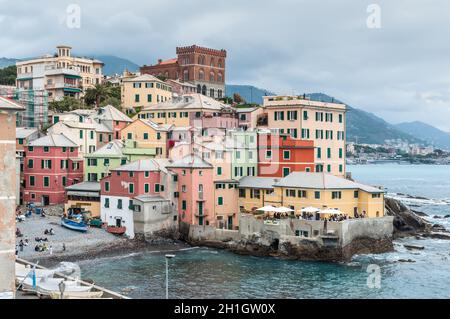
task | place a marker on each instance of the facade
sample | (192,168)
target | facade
(180,88)
(148,134)
(118,190)
(52,163)
(114,121)
(226,207)
(194,110)
(278,156)
(195,195)
(143,91)
(244,160)
(8,184)
(24,136)
(248,117)
(97,165)
(82,132)
(202,67)
(84,195)
(322,122)
(320,190)
(59,74)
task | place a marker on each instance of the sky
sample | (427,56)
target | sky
(391,59)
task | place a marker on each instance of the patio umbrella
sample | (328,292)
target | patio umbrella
(331,211)
(283,210)
(267,208)
(310,209)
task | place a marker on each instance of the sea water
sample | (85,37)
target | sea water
(211,273)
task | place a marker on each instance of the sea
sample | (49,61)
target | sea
(197,272)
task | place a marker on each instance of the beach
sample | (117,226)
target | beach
(79,246)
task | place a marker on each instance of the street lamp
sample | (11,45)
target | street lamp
(167,273)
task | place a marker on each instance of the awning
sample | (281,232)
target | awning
(83,194)
(73,90)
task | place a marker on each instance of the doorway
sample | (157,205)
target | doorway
(118,222)
(45,200)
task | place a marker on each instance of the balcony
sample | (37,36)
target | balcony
(203,213)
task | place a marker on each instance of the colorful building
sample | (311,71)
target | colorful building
(85,195)
(82,132)
(97,165)
(52,163)
(143,91)
(196,204)
(139,178)
(226,206)
(244,160)
(320,190)
(202,67)
(194,110)
(322,122)
(278,156)
(248,117)
(113,120)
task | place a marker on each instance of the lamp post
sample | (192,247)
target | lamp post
(167,274)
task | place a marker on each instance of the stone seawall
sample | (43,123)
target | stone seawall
(255,238)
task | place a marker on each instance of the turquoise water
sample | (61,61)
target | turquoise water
(210,273)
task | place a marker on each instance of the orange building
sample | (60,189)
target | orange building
(280,155)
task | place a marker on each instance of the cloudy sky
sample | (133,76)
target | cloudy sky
(400,71)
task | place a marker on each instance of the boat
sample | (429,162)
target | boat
(77,295)
(116,230)
(47,286)
(23,272)
(96,222)
(27,284)
(74,224)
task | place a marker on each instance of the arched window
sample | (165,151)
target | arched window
(201,75)
(211,92)
(199,88)
(220,63)
(219,77)
(212,76)
(204,90)
(219,94)
(186,75)
(211,63)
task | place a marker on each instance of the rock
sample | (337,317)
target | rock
(437,217)
(409,247)
(406,221)
(447,216)
(406,261)
(436,235)
(422,214)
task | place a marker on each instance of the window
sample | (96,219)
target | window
(129,136)
(46,181)
(329,152)
(131,174)
(286,155)
(355,194)
(106,186)
(340,118)
(131,188)
(130,204)
(158,135)
(286,171)
(107,202)
(30,163)
(376,195)
(340,153)
(32,181)
(279,116)
(64,181)
(301,193)
(340,168)
(336,195)
(119,204)
(30,148)
(100,137)
(255,193)
(46,164)
(145,136)
(81,133)
(317,195)
(319,152)
(149,97)
(292,115)
(268,154)
(156,188)
(219,170)
(238,154)
(64,164)
(146,188)
(220,201)
(46,149)
(106,161)
(305,115)
(183,205)
(136,98)
(242,193)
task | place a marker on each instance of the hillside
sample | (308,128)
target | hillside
(116,65)
(427,132)
(250,93)
(5,62)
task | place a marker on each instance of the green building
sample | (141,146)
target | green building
(244,159)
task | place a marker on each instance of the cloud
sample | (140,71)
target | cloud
(399,71)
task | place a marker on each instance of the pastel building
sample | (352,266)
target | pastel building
(244,160)
(322,122)
(248,117)
(143,91)
(85,195)
(226,206)
(97,165)
(148,134)
(320,190)
(196,204)
(127,182)
(194,110)
(52,163)
(83,133)
(278,156)
(114,120)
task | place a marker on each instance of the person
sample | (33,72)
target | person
(51,250)
(17,251)
(51,232)
(325,224)
(64,247)
(18,233)
(36,248)
(43,213)
(26,242)
(45,232)
(21,245)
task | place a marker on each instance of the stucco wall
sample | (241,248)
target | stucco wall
(376,228)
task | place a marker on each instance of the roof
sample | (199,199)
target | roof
(112,149)
(151,198)
(169,61)
(322,181)
(246,109)
(7,104)
(24,132)
(142,78)
(257,182)
(145,165)
(182,83)
(191,101)
(110,113)
(156,126)
(85,186)
(54,140)
(102,128)
(190,161)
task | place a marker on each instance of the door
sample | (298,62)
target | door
(200,213)
(230,222)
(118,222)
(45,200)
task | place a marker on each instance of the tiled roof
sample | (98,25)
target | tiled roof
(24,132)
(110,113)
(191,101)
(169,61)
(143,78)
(7,104)
(55,140)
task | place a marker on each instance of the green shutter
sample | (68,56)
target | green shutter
(146,188)
(220,200)
(156,188)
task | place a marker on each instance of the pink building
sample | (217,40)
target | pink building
(51,163)
(195,190)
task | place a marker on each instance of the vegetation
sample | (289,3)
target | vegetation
(237,98)
(67,104)
(8,75)
(101,93)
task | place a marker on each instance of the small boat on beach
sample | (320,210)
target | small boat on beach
(78,225)
(23,272)
(116,230)
(77,295)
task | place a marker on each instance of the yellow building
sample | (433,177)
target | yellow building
(143,91)
(148,134)
(84,195)
(320,190)
(322,122)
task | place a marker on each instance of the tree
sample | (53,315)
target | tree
(111,100)
(97,94)
(238,98)
(67,104)
(8,75)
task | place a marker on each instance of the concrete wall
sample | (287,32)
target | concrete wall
(154,217)
(376,228)
(210,233)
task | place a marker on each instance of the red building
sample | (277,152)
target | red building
(202,67)
(51,163)
(278,156)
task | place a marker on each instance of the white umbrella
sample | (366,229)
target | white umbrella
(331,211)
(310,209)
(268,208)
(283,210)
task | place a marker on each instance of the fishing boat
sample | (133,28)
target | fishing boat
(47,286)
(77,295)
(27,284)
(116,230)
(23,272)
(78,225)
